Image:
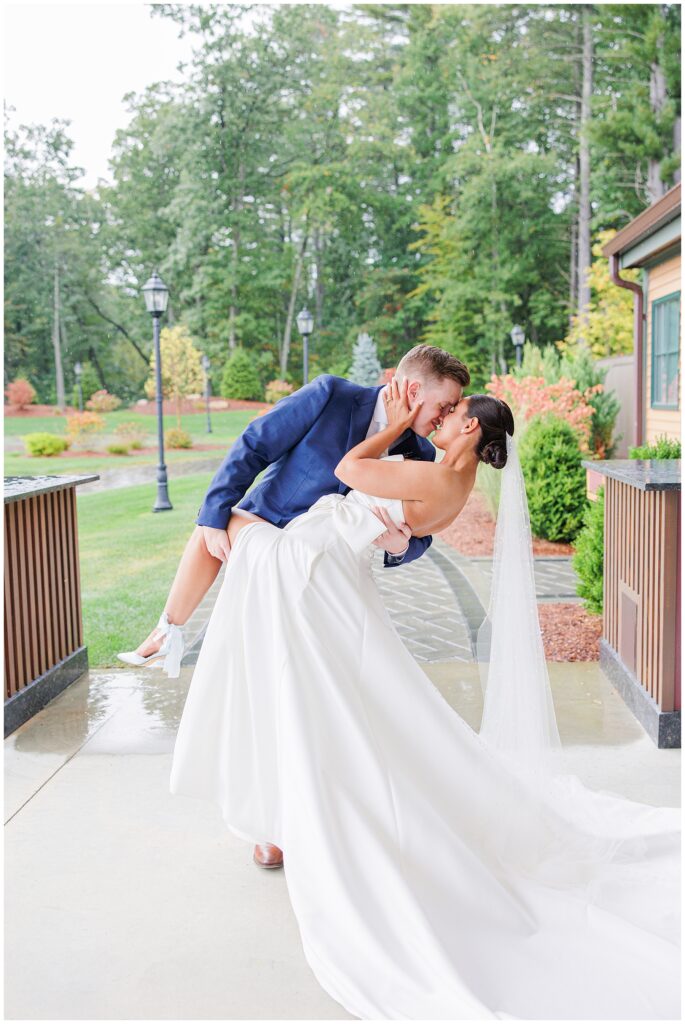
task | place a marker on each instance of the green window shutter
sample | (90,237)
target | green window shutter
(665,351)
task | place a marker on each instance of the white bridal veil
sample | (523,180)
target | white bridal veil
(518,713)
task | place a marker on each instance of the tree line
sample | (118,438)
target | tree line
(415,172)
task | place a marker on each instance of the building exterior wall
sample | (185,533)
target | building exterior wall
(620,379)
(662,280)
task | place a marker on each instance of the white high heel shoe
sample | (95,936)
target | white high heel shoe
(171,651)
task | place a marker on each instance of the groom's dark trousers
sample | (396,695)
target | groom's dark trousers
(299,443)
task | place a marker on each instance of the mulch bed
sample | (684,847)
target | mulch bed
(473,532)
(569,633)
(193,405)
(36,410)
(148,408)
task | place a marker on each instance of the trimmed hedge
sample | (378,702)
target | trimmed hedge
(555,479)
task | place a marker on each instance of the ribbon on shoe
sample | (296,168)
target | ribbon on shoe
(173,646)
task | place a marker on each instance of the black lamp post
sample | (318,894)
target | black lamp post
(305,324)
(78,370)
(156,296)
(518,337)
(206,367)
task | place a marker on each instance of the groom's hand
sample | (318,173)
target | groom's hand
(217,542)
(395,540)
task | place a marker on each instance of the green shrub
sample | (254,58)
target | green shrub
(663,448)
(117,448)
(240,378)
(42,443)
(177,438)
(555,479)
(588,560)
(136,445)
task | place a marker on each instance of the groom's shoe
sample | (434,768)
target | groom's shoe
(268,856)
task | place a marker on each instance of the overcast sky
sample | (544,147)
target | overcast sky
(77,61)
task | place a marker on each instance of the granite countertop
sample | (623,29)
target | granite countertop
(17,487)
(644,474)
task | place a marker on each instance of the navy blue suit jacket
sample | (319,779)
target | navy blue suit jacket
(299,443)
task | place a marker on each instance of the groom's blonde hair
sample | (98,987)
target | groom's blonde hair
(429,363)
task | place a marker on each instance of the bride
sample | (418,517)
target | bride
(434,872)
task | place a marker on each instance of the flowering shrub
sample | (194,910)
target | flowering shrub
(102,401)
(276,389)
(531,396)
(81,426)
(20,393)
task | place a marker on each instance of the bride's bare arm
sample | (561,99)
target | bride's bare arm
(411,479)
(363,469)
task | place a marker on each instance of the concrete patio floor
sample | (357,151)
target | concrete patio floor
(123,901)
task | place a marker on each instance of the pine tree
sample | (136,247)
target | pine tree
(240,379)
(366,368)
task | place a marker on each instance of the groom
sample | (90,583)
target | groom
(301,440)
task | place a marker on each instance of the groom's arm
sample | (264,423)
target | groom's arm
(262,442)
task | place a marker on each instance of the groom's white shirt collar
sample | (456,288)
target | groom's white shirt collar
(380,416)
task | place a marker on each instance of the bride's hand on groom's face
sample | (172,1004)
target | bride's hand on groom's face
(395,540)
(396,399)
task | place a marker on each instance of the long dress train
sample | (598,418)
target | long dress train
(428,879)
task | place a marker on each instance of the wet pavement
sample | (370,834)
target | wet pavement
(126,902)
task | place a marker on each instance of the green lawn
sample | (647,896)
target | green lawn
(223,423)
(226,426)
(129,556)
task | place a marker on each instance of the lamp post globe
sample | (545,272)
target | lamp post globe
(518,336)
(305,325)
(156,295)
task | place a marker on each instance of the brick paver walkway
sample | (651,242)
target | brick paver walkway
(424,609)
(437,603)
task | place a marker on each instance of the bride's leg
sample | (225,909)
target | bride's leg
(196,573)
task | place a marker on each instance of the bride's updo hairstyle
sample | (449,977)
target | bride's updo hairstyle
(496,421)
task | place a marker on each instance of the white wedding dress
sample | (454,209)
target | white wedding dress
(428,878)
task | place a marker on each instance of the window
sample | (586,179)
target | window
(665,351)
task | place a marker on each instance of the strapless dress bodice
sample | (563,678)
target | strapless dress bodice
(393,505)
(349,515)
